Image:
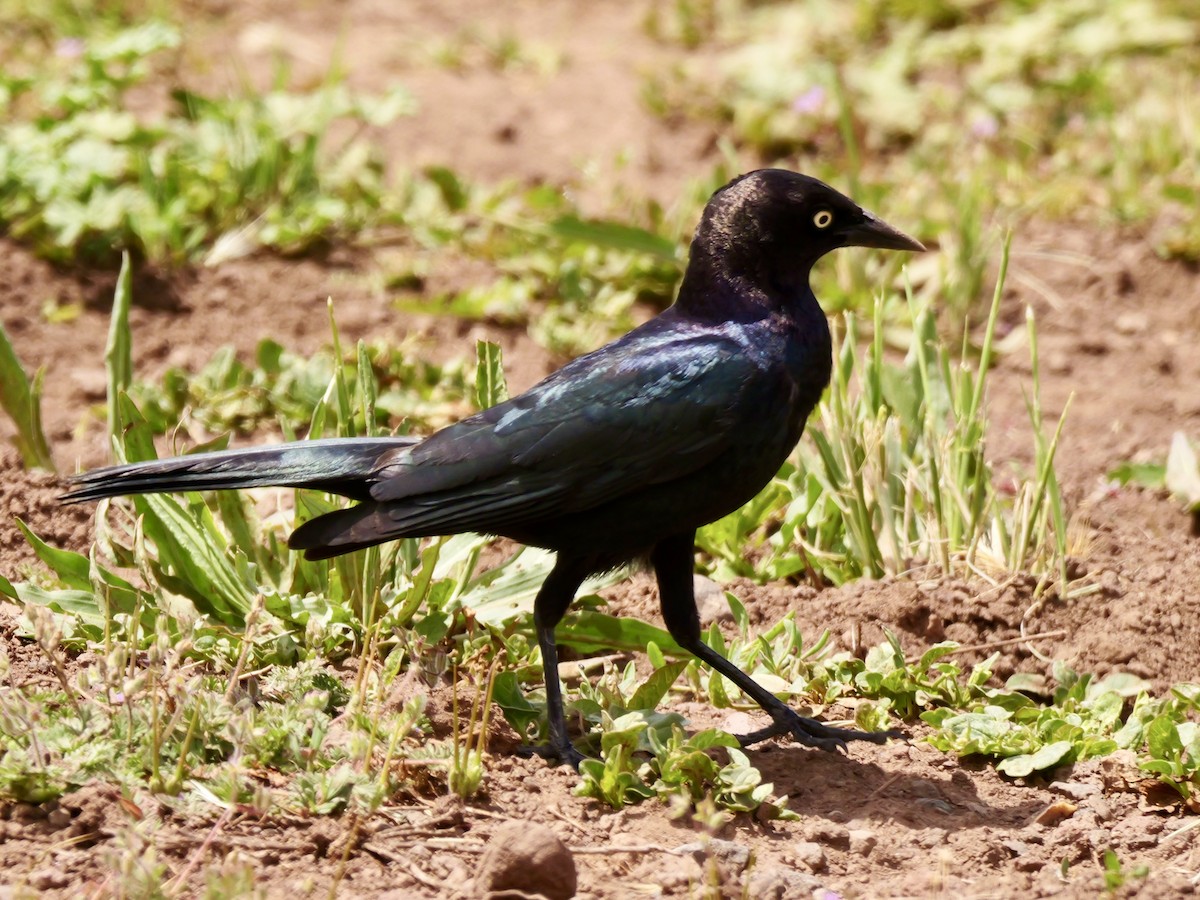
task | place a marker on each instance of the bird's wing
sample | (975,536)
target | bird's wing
(599,428)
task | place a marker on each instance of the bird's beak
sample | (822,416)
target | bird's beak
(874,232)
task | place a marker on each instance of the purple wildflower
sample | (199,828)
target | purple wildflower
(984,126)
(810,101)
(69,48)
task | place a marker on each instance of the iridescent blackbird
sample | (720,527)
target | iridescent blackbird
(618,456)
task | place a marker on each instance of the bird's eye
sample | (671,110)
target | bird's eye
(823,218)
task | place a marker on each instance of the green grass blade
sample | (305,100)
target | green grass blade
(118,352)
(22,400)
(368,390)
(490,385)
(614,236)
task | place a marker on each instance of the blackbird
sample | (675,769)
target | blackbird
(620,455)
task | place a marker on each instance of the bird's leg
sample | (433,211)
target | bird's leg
(556,594)
(672,560)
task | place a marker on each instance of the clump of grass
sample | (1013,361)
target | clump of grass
(82,176)
(574,281)
(278,386)
(894,474)
(1028,725)
(1056,108)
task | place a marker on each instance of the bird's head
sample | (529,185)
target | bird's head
(771,225)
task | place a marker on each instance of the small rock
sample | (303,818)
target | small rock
(47,879)
(782,884)
(735,856)
(862,841)
(1074,790)
(1119,771)
(1016,848)
(1131,323)
(1155,573)
(933,837)
(1028,864)
(710,600)
(811,855)
(527,857)
(1103,809)
(1033,834)
(1139,832)
(831,834)
(59,818)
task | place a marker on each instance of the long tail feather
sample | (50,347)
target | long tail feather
(338,465)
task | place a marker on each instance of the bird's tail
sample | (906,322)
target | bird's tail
(337,465)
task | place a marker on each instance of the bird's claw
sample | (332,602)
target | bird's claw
(564,754)
(814,733)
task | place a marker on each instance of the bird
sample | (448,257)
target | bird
(617,457)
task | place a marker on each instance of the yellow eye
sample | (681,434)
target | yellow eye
(823,218)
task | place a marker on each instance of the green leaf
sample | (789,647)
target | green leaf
(490,386)
(1162,738)
(1027,763)
(651,691)
(507,694)
(21,399)
(136,437)
(1147,475)
(71,602)
(118,352)
(76,571)
(588,631)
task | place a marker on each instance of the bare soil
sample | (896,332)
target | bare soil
(1118,329)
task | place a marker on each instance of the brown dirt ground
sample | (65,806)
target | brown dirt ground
(1118,330)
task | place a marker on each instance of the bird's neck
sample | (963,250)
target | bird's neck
(713,290)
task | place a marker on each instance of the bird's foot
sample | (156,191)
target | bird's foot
(813,733)
(559,754)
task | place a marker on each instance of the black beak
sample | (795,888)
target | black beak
(874,232)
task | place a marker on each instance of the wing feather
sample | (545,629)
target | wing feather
(599,428)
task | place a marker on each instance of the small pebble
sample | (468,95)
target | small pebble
(527,857)
(933,837)
(810,855)
(782,884)
(734,855)
(1155,573)
(47,879)
(1016,848)
(862,841)
(1131,323)
(1074,790)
